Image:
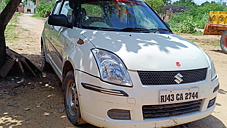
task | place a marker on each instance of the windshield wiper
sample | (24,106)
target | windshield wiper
(99,28)
(144,29)
(129,29)
(159,29)
(135,29)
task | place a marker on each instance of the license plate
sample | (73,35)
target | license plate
(178,95)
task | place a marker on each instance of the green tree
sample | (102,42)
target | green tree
(3,4)
(194,17)
(205,8)
(205,3)
(167,2)
(25,1)
(156,5)
(186,3)
(43,8)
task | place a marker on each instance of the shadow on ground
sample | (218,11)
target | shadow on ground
(208,122)
(218,51)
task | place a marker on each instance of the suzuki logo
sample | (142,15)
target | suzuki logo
(179,78)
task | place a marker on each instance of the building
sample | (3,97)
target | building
(175,8)
(29,7)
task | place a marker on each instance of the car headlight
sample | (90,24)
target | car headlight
(111,68)
(213,71)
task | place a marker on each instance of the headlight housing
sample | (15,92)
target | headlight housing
(111,68)
(213,71)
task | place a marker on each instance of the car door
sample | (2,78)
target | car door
(58,40)
(48,31)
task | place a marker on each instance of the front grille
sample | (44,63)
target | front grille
(167,110)
(168,77)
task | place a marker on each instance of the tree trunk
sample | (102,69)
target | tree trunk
(5,17)
(2,46)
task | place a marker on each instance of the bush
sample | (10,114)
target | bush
(2,6)
(183,24)
(194,17)
(156,5)
(43,8)
(187,26)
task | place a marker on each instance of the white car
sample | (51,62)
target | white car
(122,66)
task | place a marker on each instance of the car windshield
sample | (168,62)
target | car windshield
(121,15)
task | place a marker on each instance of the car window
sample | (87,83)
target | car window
(57,8)
(66,10)
(92,10)
(143,19)
(92,15)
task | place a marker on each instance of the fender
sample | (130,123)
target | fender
(76,51)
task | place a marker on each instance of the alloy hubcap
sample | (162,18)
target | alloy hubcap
(72,99)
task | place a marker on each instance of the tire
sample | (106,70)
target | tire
(71,100)
(45,66)
(223,42)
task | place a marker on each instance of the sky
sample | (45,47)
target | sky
(199,2)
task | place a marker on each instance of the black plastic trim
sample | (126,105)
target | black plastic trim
(105,90)
(216,88)
(211,102)
(88,73)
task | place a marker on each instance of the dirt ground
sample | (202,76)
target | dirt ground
(38,102)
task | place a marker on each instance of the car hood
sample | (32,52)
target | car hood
(150,51)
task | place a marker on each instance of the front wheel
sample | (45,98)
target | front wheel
(71,99)
(223,42)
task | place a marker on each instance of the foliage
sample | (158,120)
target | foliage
(91,10)
(44,7)
(194,17)
(26,1)
(3,4)
(186,3)
(197,33)
(167,2)
(156,5)
(182,24)
(10,34)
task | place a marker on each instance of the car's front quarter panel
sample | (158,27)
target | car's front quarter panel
(78,52)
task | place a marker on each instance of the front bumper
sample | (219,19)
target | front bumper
(94,105)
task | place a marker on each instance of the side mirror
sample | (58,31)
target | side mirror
(59,20)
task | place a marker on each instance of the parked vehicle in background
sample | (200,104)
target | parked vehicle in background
(218,26)
(122,66)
